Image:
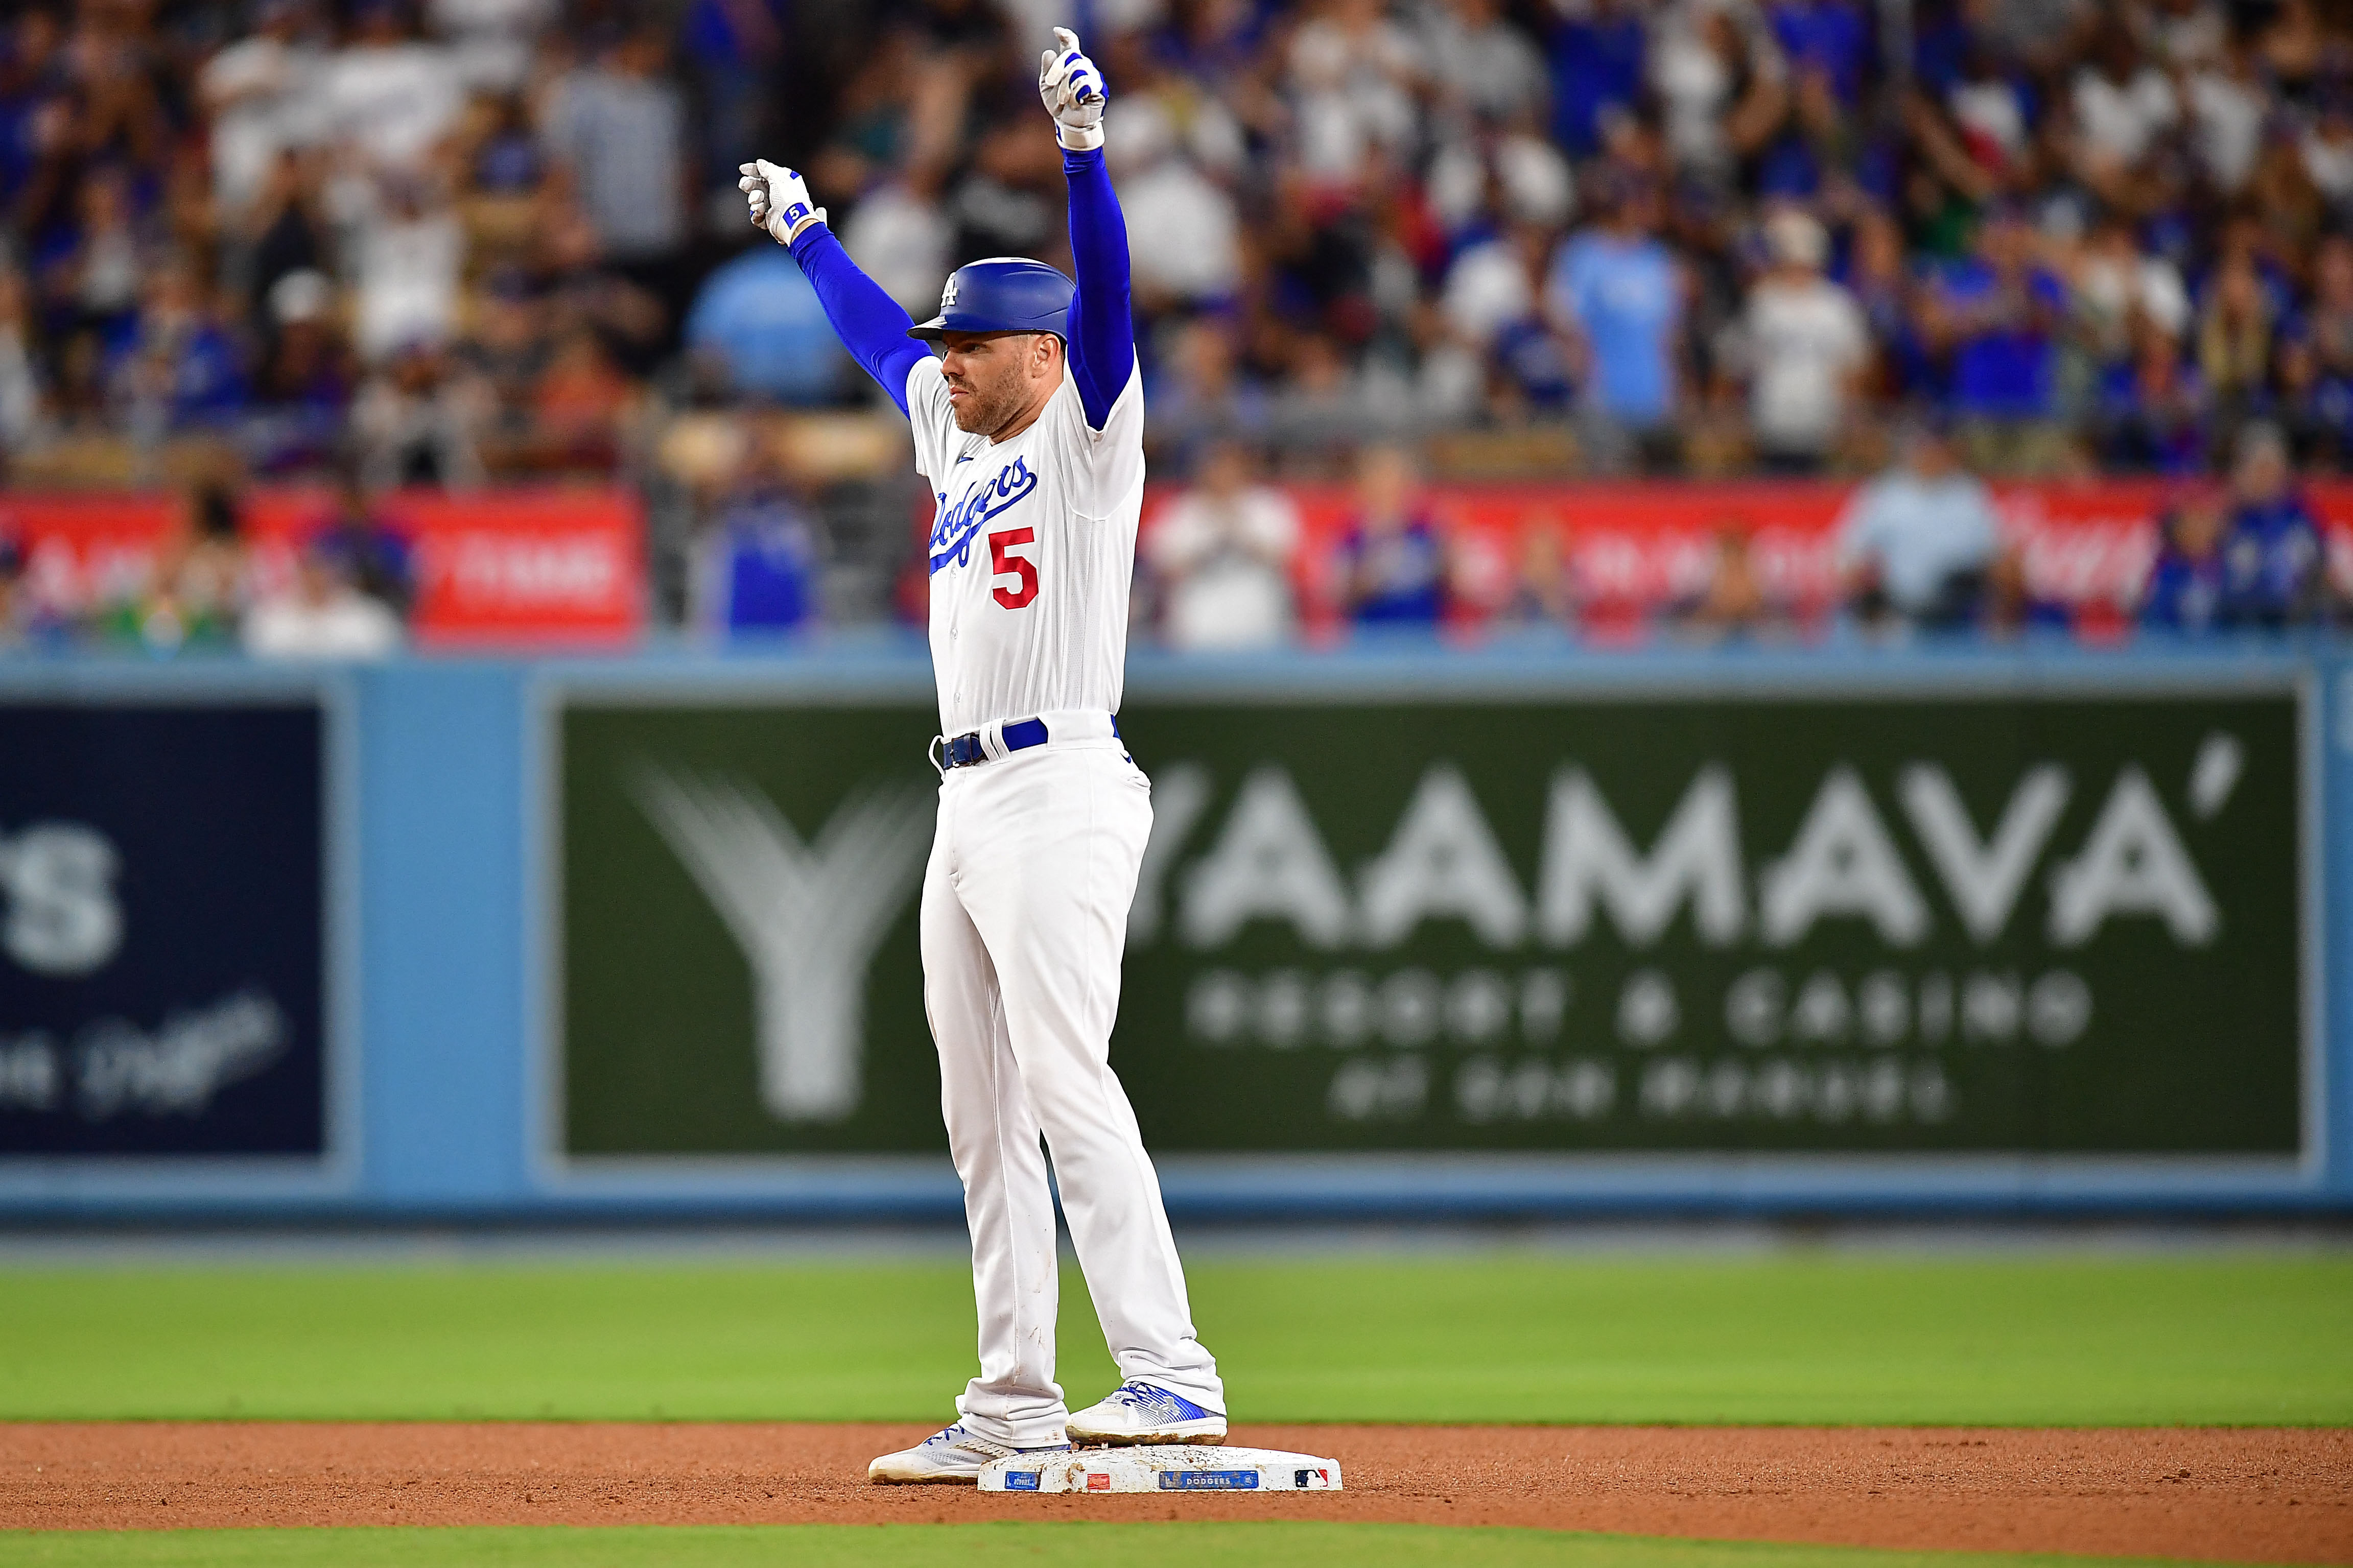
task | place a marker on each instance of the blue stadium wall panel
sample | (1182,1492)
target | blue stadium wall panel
(530,1006)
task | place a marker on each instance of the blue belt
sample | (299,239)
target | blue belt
(967,750)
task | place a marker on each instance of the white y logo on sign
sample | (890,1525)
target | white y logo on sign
(808,916)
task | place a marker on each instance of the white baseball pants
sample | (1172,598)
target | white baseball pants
(1024,919)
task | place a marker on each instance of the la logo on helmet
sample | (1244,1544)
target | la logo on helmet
(947,295)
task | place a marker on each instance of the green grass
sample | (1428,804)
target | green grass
(1234,1545)
(1533,1338)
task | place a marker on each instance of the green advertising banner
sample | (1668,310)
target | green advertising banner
(1940,923)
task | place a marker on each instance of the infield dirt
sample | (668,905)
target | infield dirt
(2268,1495)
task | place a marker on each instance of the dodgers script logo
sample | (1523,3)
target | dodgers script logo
(952,533)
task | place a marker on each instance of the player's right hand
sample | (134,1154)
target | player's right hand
(779,199)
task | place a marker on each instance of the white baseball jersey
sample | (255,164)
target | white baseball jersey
(1033,549)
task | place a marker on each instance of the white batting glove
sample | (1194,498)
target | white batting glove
(1073,90)
(779,198)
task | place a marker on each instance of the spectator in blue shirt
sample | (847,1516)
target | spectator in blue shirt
(367,550)
(1941,42)
(1392,566)
(2184,593)
(304,389)
(2314,402)
(761,565)
(1827,35)
(758,317)
(2275,571)
(31,72)
(1597,73)
(179,369)
(732,47)
(2152,409)
(1997,314)
(1916,542)
(1618,294)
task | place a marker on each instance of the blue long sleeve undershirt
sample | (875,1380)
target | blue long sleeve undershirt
(869,322)
(1102,328)
(1102,343)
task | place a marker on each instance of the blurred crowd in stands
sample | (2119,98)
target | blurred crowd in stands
(344,590)
(1920,549)
(367,244)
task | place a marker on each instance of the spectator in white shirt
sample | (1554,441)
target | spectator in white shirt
(263,93)
(1511,174)
(621,130)
(2328,149)
(386,97)
(1722,80)
(2122,106)
(899,235)
(320,615)
(491,38)
(1223,554)
(1916,541)
(1990,111)
(2229,102)
(1805,345)
(2112,284)
(1183,233)
(410,257)
(2189,34)
(416,423)
(1483,67)
(1353,78)
(1489,288)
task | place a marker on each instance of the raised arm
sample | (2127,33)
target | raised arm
(1102,329)
(869,322)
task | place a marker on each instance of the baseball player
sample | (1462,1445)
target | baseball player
(1030,424)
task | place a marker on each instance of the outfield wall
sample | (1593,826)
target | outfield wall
(1486,931)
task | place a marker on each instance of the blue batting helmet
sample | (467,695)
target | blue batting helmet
(1002,294)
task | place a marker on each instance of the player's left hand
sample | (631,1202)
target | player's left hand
(1073,90)
(779,199)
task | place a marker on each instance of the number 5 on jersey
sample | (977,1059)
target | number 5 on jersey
(1003,562)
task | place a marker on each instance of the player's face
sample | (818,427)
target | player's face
(994,379)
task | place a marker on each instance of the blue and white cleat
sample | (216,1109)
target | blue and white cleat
(950,1454)
(1139,1413)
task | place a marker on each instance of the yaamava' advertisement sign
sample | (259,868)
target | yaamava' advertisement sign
(2046,923)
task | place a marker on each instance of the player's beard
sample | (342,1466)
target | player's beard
(990,403)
